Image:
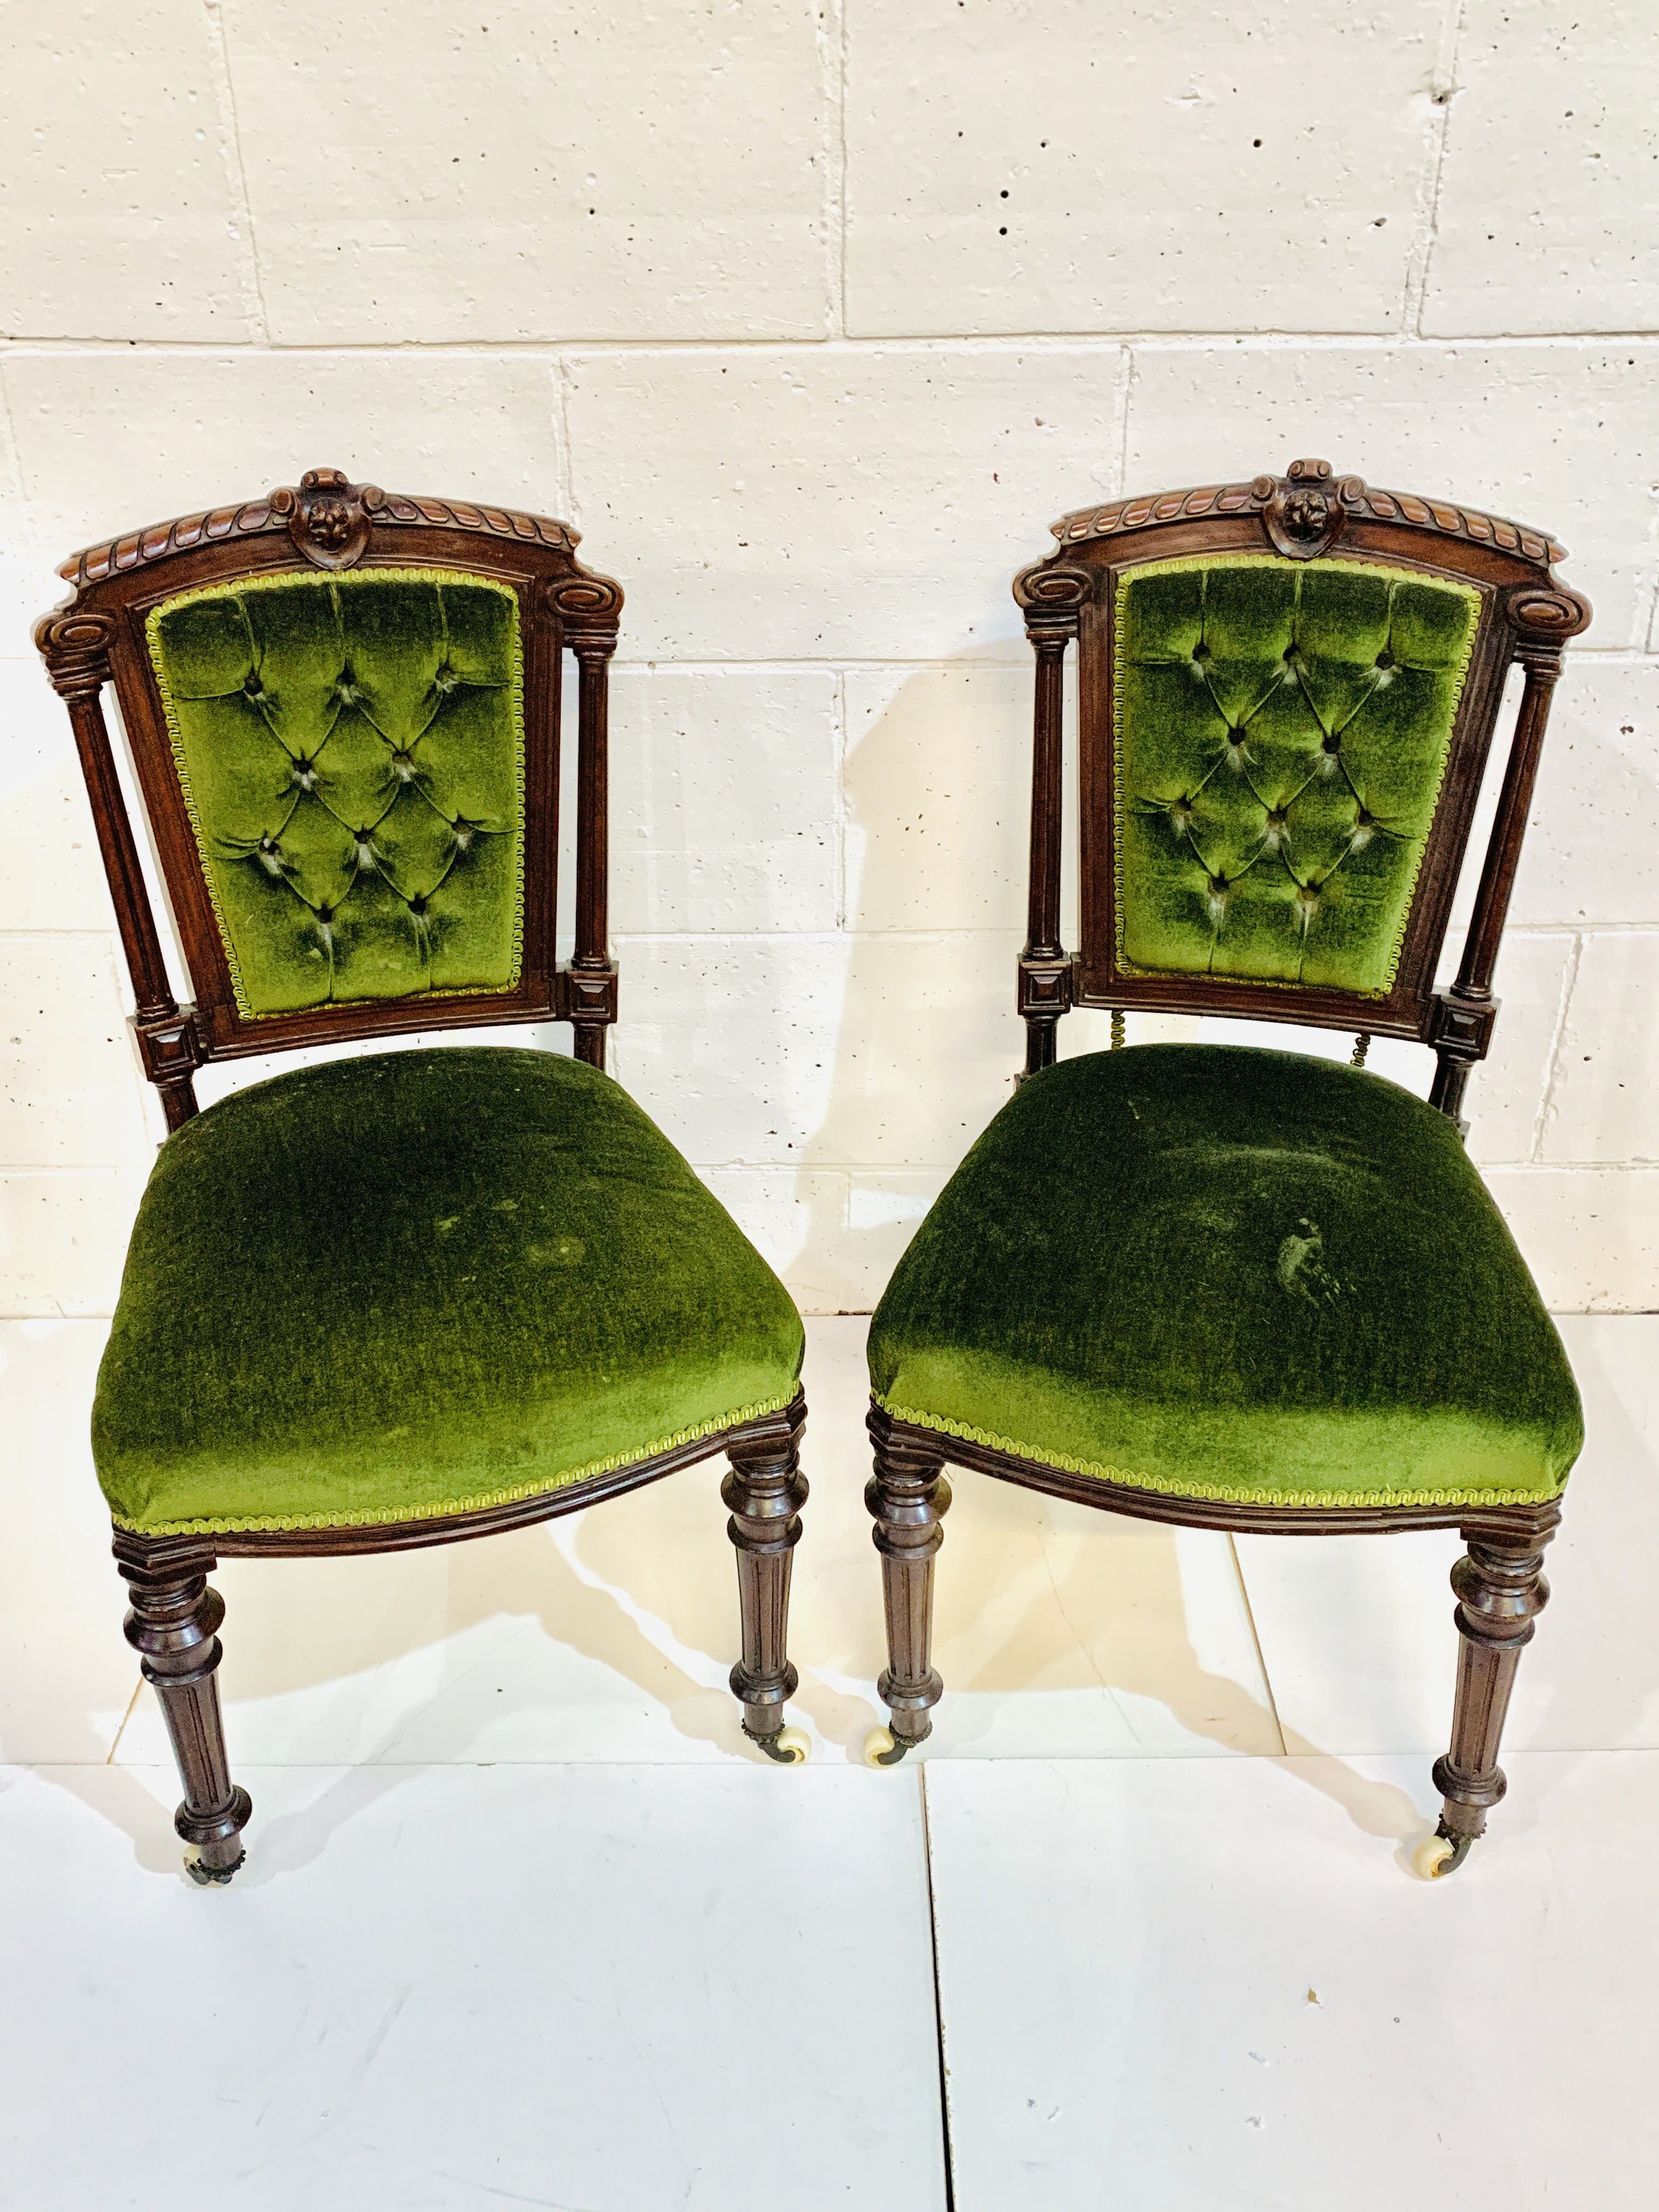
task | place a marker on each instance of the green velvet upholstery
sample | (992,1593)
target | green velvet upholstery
(1234,1274)
(351,750)
(1281,731)
(418,1284)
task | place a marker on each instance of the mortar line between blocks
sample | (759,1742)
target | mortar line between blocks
(1127,377)
(564,467)
(1080,340)
(1426,232)
(844,892)
(938,1996)
(838,100)
(1003,657)
(230,155)
(1552,1065)
(11,459)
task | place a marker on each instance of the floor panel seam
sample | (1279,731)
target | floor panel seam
(938,1997)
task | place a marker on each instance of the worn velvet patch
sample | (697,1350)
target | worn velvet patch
(417,1284)
(1224,1273)
(351,751)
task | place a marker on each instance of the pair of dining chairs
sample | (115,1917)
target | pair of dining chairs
(407,1298)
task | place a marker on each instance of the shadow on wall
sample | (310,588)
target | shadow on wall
(936,785)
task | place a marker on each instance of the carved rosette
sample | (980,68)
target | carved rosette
(1302,511)
(329,517)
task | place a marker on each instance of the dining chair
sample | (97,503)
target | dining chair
(396,1298)
(1235,1288)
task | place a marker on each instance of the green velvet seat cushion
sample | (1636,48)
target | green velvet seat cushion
(418,1284)
(1234,1274)
(351,749)
(1280,733)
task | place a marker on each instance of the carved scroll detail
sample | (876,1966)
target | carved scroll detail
(1052,596)
(1350,493)
(76,649)
(1546,618)
(586,603)
(164,539)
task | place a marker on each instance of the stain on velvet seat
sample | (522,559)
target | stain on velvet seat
(1231,1274)
(418,1284)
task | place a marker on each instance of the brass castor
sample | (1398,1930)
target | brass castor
(883,1748)
(790,1747)
(1440,1856)
(212,1876)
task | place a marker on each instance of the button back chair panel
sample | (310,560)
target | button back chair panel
(351,753)
(1280,735)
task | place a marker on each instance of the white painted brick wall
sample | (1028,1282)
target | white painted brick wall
(811,316)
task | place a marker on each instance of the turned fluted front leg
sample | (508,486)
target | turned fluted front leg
(908,1496)
(172,1625)
(1501,1590)
(765,1492)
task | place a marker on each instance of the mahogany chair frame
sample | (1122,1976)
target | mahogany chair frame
(96,637)
(1526,617)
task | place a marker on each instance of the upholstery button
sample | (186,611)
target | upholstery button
(1385,659)
(364,841)
(304,773)
(462,830)
(1292,653)
(417,905)
(1332,743)
(1201,651)
(445,680)
(252,685)
(403,764)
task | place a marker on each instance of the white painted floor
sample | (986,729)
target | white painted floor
(524,1922)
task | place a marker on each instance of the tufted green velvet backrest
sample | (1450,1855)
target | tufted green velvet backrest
(1280,733)
(351,749)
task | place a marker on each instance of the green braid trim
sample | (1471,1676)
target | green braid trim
(444,1507)
(1229,1493)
